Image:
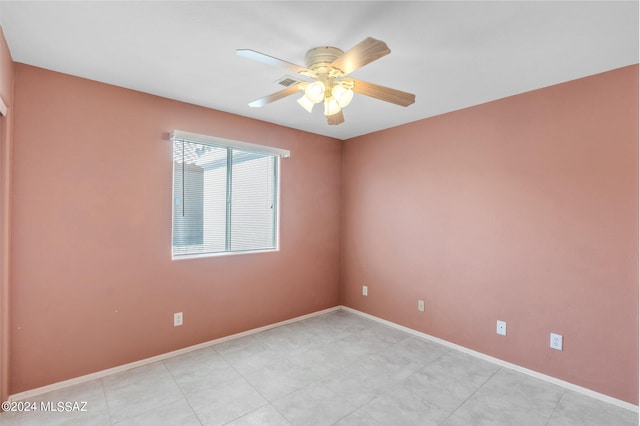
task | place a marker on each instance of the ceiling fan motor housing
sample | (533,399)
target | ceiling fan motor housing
(318,59)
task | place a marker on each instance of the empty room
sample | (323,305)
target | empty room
(319,213)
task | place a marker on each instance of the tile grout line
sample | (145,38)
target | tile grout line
(346,367)
(169,402)
(388,391)
(286,358)
(319,379)
(269,402)
(106,401)
(182,392)
(247,381)
(282,414)
(471,396)
(564,391)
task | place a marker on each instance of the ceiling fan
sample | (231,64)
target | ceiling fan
(328,67)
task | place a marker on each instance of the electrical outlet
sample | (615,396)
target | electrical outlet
(365,290)
(421,305)
(501,328)
(177,319)
(555,342)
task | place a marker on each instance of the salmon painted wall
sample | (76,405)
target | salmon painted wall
(93,282)
(6,92)
(523,210)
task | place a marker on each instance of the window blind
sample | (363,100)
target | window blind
(225,196)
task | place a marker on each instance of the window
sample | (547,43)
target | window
(225,196)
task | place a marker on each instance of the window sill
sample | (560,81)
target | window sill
(220,254)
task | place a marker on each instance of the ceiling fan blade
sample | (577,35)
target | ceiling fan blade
(270,60)
(383,93)
(274,96)
(335,119)
(360,55)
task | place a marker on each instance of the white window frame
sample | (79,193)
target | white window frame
(180,135)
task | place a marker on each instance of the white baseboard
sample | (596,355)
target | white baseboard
(537,375)
(100,374)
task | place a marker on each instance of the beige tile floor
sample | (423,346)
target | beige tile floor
(337,368)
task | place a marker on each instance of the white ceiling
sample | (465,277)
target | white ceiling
(452,55)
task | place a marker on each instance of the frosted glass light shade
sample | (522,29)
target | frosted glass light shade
(315,92)
(342,95)
(331,106)
(306,103)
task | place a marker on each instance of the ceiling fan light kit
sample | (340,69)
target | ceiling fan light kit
(331,106)
(306,103)
(328,66)
(315,92)
(343,95)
